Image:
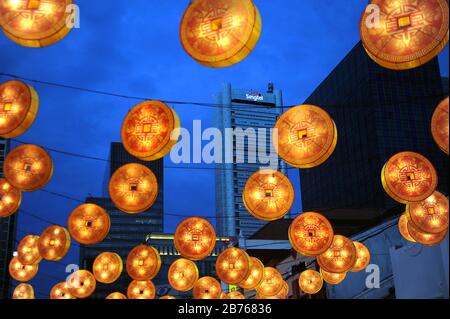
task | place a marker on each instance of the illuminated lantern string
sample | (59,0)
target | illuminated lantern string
(307,136)
(116,295)
(220,33)
(332,278)
(362,257)
(81,284)
(403,228)
(405,34)
(141,290)
(54,243)
(35,23)
(143,263)
(167,297)
(439,125)
(235,295)
(23,291)
(19,104)
(283,294)
(10,198)
(431,214)
(339,257)
(409,177)
(133,188)
(425,238)
(150,130)
(21,272)
(61,291)
(107,267)
(310,282)
(28,251)
(207,288)
(233,265)
(271,284)
(89,224)
(28,167)
(183,274)
(255,275)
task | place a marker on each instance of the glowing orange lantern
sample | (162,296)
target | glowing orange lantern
(10,198)
(425,238)
(23,291)
(271,284)
(207,288)
(268,195)
(141,290)
(54,243)
(133,188)
(220,33)
(143,263)
(307,136)
(183,274)
(195,238)
(310,282)
(81,283)
(28,167)
(431,214)
(310,234)
(362,257)
(439,125)
(61,291)
(35,23)
(150,130)
(283,294)
(332,278)
(107,267)
(21,272)
(89,224)
(224,295)
(255,275)
(403,228)
(409,177)
(339,257)
(235,295)
(406,33)
(233,265)
(167,297)
(116,295)
(28,251)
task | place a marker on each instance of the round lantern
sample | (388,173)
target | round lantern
(133,188)
(409,177)
(35,23)
(268,195)
(403,228)
(10,198)
(310,281)
(89,224)
(195,238)
(439,125)
(28,251)
(283,294)
(332,278)
(61,291)
(310,234)
(54,243)
(224,295)
(183,274)
(207,288)
(21,272)
(107,267)
(18,108)
(271,284)
(407,34)
(235,295)
(423,238)
(255,275)
(116,295)
(143,263)
(28,167)
(362,257)
(81,284)
(141,290)
(168,297)
(339,257)
(23,291)
(307,136)
(220,33)
(147,130)
(232,265)
(431,214)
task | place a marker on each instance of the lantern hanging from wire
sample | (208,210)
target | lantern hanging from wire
(89,224)
(183,274)
(116,295)
(233,265)
(54,243)
(271,284)
(144,289)
(21,272)
(431,214)
(255,275)
(23,291)
(61,291)
(339,257)
(10,198)
(107,267)
(362,257)
(440,125)
(310,281)
(424,238)
(143,263)
(403,228)
(81,284)
(235,295)
(332,278)
(207,288)
(28,251)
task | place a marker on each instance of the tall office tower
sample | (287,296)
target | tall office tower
(242,109)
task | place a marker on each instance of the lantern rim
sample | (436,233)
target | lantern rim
(440,139)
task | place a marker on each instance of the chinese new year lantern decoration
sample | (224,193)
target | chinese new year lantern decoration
(233,265)
(283,294)
(183,274)
(107,267)
(167,297)
(268,195)
(89,224)
(207,288)
(143,263)
(133,188)
(332,278)
(403,228)
(220,33)
(271,284)
(10,198)
(28,251)
(423,238)
(224,295)
(141,290)
(339,257)
(310,234)
(255,275)
(310,281)
(21,272)
(150,130)
(406,33)
(362,257)
(54,243)
(307,136)
(195,238)
(61,291)
(81,284)
(431,214)
(28,167)
(23,291)
(439,125)
(18,108)
(35,23)
(116,295)
(409,177)
(235,295)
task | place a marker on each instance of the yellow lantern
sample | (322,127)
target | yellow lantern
(332,278)
(21,272)
(10,199)
(61,291)
(431,214)
(232,265)
(81,284)
(195,238)
(54,243)
(224,295)
(116,295)
(133,188)
(283,294)
(167,297)
(235,295)
(183,274)
(439,125)
(403,228)
(23,291)
(423,238)
(310,282)
(362,257)
(89,224)
(143,263)
(220,33)
(271,284)
(207,288)
(141,290)
(107,267)
(28,251)
(255,275)
(339,257)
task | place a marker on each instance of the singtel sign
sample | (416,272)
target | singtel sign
(254,96)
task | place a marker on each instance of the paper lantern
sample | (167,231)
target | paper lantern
(133,188)
(233,265)
(141,290)
(61,291)
(310,282)
(19,104)
(207,288)
(235,295)
(255,275)
(35,23)
(403,228)
(54,243)
(21,272)
(439,125)
(28,167)
(116,295)
(167,297)
(332,278)
(431,214)
(283,294)
(147,130)
(271,284)
(89,224)
(339,257)
(28,251)
(10,199)
(307,136)
(310,234)
(195,238)
(107,267)
(362,257)
(409,177)
(143,263)
(423,238)
(224,295)
(220,33)
(81,284)
(23,291)
(183,274)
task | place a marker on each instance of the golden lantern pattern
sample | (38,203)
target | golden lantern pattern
(224,295)
(19,104)
(28,167)
(107,267)
(183,274)
(168,297)
(81,284)
(403,228)
(268,195)
(233,265)
(141,290)
(408,34)
(35,23)
(271,284)
(255,275)
(61,291)
(310,281)
(235,295)
(409,177)
(207,288)
(307,136)
(220,33)
(283,294)
(23,291)
(195,238)
(89,224)
(362,257)
(28,251)
(431,214)
(332,278)
(133,188)
(10,198)
(147,129)
(423,238)
(440,125)
(339,257)
(116,295)
(310,234)
(21,272)
(54,243)
(143,263)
